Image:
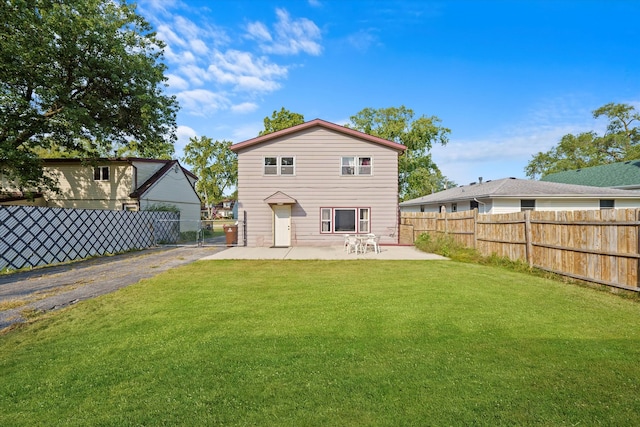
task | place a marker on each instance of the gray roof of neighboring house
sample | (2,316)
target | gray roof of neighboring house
(621,174)
(519,188)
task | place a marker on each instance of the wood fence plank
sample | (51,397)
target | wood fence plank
(600,245)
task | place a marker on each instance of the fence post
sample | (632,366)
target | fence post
(527,238)
(475,228)
(638,247)
(443,212)
(244,228)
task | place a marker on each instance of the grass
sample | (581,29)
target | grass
(329,343)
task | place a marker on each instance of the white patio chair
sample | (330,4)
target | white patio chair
(352,244)
(373,241)
(346,243)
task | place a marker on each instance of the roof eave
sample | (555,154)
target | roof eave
(321,123)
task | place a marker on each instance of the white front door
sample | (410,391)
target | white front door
(282,225)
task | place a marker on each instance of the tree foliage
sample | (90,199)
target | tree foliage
(81,78)
(620,142)
(417,173)
(279,120)
(215,165)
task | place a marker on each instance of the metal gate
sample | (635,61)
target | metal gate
(208,233)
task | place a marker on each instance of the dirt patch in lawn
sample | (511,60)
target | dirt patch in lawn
(26,294)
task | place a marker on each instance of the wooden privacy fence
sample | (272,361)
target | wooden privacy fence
(599,246)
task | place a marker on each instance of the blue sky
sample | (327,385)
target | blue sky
(509,78)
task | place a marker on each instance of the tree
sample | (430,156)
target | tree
(215,165)
(279,120)
(81,77)
(417,173)
(619,143)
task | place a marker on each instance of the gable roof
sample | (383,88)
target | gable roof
(153,179)
(520,188)
(622,174)
(317,123)
(280,198)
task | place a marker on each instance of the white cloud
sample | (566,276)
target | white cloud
(259,31)
(507,151)
(245,107)
(245,72)
(195,75)
(363,40)
(177,83)
(202,102)
(183,134)
(169,36)
(207,75)
(248,131)
(291,36)
(199,46)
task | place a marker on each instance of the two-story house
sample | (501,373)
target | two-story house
(311,184)
(120,184)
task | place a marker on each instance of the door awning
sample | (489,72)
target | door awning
(279,198)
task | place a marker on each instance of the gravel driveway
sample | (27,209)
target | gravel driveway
(51,288)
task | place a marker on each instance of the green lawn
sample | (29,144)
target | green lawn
(317,343)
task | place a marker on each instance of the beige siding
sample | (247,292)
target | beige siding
(411,209)
(317,183)
(567,204)
(78,189)
(502,206)
(38,201)
(627,203)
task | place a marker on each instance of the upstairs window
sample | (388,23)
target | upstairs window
(101,173)
(280,165)
(364,165)
(287,166)
(271,166)
(355,165)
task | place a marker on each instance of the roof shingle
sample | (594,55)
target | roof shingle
(519,188)
(622,174)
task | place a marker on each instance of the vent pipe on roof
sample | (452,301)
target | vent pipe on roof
(479,180)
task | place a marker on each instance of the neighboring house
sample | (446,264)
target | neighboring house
(311,184)
(514,195)
(622,175)
(223,209)
(122,184)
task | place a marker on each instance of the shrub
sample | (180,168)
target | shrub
(446,245)
(163,207)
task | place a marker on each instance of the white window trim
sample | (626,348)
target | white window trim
(278,166)
(332,220)
(356,165)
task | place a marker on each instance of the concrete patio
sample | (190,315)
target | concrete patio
(322,252)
